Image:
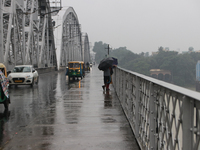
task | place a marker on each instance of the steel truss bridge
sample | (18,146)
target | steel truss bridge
(73,44)
(27,35)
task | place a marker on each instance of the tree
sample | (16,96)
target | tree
(182,66)
(160,49)
(190,49)
(99,48)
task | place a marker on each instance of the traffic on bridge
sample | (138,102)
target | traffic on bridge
(56,114)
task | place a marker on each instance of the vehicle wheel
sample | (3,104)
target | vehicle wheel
(6,103)
(32,83)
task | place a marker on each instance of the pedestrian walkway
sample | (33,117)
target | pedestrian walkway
(84,118)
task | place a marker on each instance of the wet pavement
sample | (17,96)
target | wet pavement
(58,115)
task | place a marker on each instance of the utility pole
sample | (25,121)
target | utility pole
(108,49)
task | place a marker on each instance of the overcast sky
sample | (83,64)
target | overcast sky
(140,25)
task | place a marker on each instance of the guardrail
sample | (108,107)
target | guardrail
(162,116)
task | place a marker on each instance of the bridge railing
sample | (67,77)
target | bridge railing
(162,116)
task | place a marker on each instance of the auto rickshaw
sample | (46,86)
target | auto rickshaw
(4,96)
(75,69)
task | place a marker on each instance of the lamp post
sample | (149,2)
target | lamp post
(108,49)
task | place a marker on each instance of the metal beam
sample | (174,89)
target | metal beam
(27,33)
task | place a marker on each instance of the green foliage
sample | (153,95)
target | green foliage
(160,49)
(100,50)
(124,56)
(182,66)
(138,65)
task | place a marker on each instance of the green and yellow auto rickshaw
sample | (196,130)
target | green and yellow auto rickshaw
(4,96)
(75,69)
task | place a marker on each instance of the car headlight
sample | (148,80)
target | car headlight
(29,77)
(78,70)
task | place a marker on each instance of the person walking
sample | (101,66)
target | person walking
(4,84)
(107,78)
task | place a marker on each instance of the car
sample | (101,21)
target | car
(23,75)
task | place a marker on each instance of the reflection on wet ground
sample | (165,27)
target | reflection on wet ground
(58,114)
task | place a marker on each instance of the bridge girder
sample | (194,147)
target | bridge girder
(86,48)
(27,33)
(70,42)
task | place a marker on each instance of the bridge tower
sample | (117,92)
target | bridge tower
(86,49)
(26,33)
(71,43)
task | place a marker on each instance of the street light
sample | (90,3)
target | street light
(108,49)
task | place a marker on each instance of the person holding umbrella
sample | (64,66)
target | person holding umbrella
(107,78)
(106,66)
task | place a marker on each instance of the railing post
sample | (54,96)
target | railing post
(118,81)
(123,88)
(114,78)
(188,123)
(120,85)
(137,105)
(129,97)
(152,123)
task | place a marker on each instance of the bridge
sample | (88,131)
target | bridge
(28,35)
(161,115)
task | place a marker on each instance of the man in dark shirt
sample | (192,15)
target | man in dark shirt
(107,78)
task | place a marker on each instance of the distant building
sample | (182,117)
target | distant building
(185,52)
(166,49)
(198,76)
(155,53)
(198,51)
(198,71)
(160,74)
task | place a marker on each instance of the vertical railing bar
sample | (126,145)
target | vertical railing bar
(188,123)
(117,79)
(126,95)
(137,99)
(152,124)
(129,96)
(124,88)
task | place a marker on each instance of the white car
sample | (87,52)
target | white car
(23,75)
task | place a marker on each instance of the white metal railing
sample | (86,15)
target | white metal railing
(162,116)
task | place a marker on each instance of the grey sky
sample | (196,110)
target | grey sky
(140,25)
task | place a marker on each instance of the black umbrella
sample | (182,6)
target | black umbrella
(115,61)
(106,63)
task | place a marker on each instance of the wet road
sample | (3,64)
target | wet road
(57,115)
